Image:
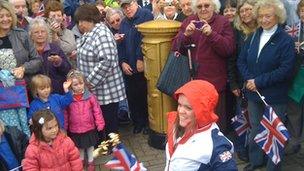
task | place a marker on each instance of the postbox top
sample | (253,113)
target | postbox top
(159,26)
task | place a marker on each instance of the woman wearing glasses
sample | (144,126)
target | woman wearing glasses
(265,64)
(214,40)
(113,19)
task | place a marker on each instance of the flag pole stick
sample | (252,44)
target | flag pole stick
(262,97)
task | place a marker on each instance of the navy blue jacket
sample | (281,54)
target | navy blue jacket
(271,71)
(129,50)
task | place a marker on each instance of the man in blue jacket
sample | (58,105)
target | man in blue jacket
(131,61)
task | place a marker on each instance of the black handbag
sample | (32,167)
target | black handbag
(175,74)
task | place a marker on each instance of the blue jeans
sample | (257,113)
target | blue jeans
(256,154)
(123,106)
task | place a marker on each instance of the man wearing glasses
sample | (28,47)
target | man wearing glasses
(131,61)
(214,40)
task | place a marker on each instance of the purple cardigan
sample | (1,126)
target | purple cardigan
(56,73)
(211,51)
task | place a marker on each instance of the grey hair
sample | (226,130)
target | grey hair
(113,11)
(39,22)
(280,11)
(216,5)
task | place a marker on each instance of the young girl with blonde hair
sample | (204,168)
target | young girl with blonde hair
(83,118)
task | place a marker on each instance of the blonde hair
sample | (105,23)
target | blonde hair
(300,5)
(278,6)
(7,6)
(40,81)
(239,24)
(75,74)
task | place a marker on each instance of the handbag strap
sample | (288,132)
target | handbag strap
(189,47)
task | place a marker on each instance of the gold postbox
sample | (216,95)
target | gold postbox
(157,40)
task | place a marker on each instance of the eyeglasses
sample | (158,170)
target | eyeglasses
(115,21)
(200,6)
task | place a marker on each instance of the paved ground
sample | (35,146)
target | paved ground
(154,159)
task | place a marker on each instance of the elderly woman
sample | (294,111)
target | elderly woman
(245,24)
(20,57)
(113,19)
(55,64)
(265,63)
(214,40)
(97,58)
(60,35)
(192,127)
(167,10)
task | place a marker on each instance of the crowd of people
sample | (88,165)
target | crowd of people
(83,66)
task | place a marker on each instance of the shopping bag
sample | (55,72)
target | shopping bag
(175,74)
(14,96)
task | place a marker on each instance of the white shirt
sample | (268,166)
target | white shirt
(265,36)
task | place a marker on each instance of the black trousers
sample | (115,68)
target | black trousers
(109,112)
(137,97)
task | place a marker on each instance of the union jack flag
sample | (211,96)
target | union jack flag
(124,160)
(240,122)
(241,125)
(293,30)
(273,135)
(40,12)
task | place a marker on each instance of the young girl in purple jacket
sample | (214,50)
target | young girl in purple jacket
(83,118)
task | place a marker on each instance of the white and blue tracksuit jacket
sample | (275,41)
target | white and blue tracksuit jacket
(204,151)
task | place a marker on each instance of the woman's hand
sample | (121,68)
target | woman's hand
(55,26)
(126,68)
(250,85)
(55,59)
(190,29)
(118,37)
(236,92)
(19,72)
(206,29)
(73,55)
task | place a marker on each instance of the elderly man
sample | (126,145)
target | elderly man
(213,37)
(186,6)
(131,61)
(22,13)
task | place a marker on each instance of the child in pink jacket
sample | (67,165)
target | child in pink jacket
(83,118)
(49,148)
